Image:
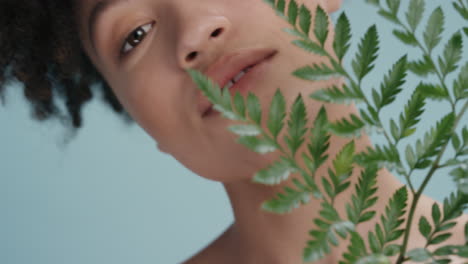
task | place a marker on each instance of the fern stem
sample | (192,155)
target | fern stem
(408,181)
(434,167)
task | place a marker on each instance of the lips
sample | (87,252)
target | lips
(228,68)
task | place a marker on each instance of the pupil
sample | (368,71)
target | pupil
(137,36)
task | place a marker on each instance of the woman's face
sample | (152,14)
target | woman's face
(143,48)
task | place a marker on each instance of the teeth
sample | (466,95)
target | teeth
(238,77)
(229,84)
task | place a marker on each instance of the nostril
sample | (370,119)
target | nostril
(191,56)
(217,32)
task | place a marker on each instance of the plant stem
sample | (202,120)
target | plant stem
(435,166)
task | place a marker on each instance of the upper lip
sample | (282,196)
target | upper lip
(228,66)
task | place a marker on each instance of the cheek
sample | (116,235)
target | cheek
(152,101)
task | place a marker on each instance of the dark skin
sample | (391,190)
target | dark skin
(142,49)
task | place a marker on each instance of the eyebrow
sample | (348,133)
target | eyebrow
(97,11)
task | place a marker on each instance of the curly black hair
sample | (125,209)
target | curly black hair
(40,47)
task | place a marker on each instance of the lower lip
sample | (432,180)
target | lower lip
(246,83)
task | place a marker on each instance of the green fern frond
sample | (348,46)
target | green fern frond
(364,197)
(367,53)
(434,29)
(319,140)
(389,229)
(296,125)
(329,227)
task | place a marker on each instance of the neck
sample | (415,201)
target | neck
(271,238)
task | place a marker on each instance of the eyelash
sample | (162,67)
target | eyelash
(126,47)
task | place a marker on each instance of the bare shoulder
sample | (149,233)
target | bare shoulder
(219,251)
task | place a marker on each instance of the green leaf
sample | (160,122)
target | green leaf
(411,114)
(424,227)
(221,99)
(438,136)
(343,162)
(387,156)
(439,239)
(259,145)
(239,104)
(419,254)
(367,53)
(445,251)
(452,54)
(436,214)
(370,116)
(338,95)
(280,5)
(304,19)
(461,9)
(433,91)
(245,130)
(356,249)
(465,135)
(394,213)
(254,109)
(454,205)
(342,39)
(292,12)
(309,46)
(422,67)
(394,129)
(276,173)
(460,176)
(394,6)
(225,107)
(466,233)
(319,140)
(415,13)
(209,88)
(410,157)
(296,33)
(391,250)
(277,114)
(363,197)
(392,83)
(406,37)
(388,15)
(321,25)
(270,2)
(374,2)
(287,201)
(460,85)
(374,259)
(296,125)
(316,72)
(434,29)
(348,127)
(327,186)
(389,229)
(329,225)
(445,226)
(339,182)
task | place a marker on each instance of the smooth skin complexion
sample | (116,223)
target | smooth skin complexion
(143,47)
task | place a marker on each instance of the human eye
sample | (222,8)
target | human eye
(136,37)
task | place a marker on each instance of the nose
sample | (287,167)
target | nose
(201,39)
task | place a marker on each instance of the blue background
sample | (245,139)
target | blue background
(110,197)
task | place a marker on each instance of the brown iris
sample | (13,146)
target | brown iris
(136,36)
